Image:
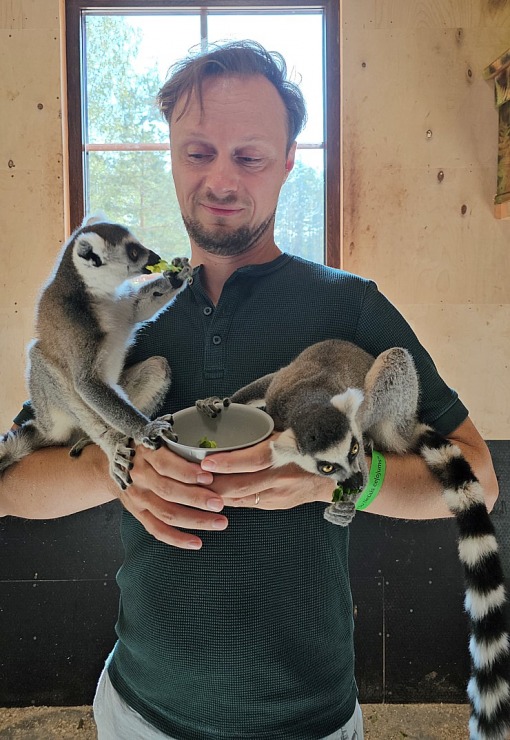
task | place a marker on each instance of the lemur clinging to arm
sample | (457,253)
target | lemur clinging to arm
(334,400)
(87,317)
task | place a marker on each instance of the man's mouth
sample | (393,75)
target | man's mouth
(225,211)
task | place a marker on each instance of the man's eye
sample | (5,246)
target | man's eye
(250,160)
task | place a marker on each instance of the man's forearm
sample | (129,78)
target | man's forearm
(410,491)
(49,484)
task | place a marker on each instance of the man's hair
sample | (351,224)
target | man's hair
(233,58)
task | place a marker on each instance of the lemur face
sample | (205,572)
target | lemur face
(112,245)
(327,440)
(107,254)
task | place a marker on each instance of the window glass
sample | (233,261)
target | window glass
(126,163)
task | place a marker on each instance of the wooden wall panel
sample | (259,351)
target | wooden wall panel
(11,15)
(39,15)
(29,14)
(441,13)
(422,14)
(412,236)
(419,157)
(470,345)
(399,85)
(31,178)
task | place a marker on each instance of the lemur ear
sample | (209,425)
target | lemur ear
(90,247)
(349,401)
(287,439)
(284,448)
(97,217)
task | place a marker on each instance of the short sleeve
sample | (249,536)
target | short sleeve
(382,326)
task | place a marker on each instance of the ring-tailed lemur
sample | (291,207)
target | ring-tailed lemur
(87,317)
(333,399)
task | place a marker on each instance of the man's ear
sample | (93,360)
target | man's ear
(289,162)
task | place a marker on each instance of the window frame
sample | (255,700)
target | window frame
(332,120)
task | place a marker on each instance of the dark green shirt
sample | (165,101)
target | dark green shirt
(252,636)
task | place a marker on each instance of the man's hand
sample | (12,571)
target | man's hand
(245,478)
(169,493)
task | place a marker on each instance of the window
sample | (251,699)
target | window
(118,54)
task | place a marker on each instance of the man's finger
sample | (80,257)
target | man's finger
(247,460)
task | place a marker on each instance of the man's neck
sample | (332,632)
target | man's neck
(216,269)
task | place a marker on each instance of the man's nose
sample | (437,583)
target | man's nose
(222,177)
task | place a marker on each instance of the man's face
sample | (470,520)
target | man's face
(229,163)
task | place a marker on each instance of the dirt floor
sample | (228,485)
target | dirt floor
(382,722)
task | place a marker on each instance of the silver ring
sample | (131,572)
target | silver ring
(257,499)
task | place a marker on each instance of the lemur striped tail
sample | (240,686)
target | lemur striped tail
(489,686)
(17,444)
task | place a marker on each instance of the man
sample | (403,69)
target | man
(236,615)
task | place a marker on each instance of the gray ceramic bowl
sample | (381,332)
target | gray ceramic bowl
(235,427)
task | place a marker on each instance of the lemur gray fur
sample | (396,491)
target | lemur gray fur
(87,317)
(333,401)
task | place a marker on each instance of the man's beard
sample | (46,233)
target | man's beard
(226,244)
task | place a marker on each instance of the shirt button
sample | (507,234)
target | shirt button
(216,339)
(207,311)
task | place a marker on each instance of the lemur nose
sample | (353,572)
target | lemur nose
(354,482)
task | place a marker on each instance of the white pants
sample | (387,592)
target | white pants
(116,720)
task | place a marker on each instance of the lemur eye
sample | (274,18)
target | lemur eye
(133,252)
(355,449)
(326,468)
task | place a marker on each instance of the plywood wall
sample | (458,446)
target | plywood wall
(420,151)
(31,178)
(414,105)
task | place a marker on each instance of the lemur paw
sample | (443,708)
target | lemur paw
(80,445)
(122,463)
(158,431)
(341,512)
(212,406)
(181,272)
